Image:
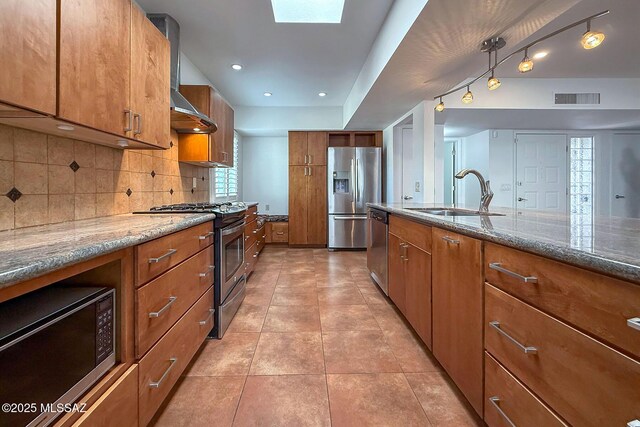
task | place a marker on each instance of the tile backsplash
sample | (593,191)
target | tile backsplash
(55,179)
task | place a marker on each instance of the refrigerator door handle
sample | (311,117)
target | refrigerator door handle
(357,181)
(353,180)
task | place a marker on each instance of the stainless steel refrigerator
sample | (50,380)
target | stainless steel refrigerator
(354,178)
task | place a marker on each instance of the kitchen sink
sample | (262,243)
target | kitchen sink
(452,212)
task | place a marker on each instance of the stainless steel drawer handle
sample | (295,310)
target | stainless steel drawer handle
(634,323)
(161,257)
(206,273)
(205,321)
(280,233)
(255,255)
(526,349)
(163,309)
(156,384)
(255,231)
(494,401)
(450,240)
(205,236)
(498,267)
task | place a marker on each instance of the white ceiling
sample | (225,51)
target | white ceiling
(460,122)
(293,61)
(442,48)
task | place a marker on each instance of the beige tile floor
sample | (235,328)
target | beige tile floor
(315,343)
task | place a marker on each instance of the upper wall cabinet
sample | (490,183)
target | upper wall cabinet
(95,64)
(214,149)
(307,148)
(150,81)
(114,70)
(28,54)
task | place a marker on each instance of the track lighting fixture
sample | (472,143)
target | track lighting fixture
(526,64)
(467,98)
(591,39)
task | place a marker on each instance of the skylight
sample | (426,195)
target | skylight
(308,11)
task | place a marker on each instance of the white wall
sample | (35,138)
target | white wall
(277,121)
(502,167)
(265,168)
(474,154)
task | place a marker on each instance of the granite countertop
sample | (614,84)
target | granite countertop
(609,245)
(31,252)
(251,204)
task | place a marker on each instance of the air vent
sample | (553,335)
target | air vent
(577,98)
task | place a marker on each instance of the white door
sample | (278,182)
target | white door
(541,172)
(625,176)
(410,167)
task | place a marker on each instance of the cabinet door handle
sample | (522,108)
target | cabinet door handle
(498,267)
(156,384)
(494,401)
(205,236)
(526,349)
(634,323)
(128,114)
(310,159)
(161,257)
(138,130)
(619,196)
(404,250)
(246,238)
(206,273)
(158,313)
(450,240)
(204,322)
(310,171)
(306,162)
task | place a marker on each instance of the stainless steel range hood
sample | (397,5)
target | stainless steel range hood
(184,116)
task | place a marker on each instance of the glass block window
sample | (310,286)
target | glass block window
(581,191)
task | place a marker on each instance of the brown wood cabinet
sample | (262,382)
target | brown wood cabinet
(457,283)
(307,148)
(276,232)
(410,280)
(215,149)
(95,64)
(28,54)
(150,81)
(308,205)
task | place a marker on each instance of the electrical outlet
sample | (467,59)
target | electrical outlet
(417,186)
(266,208)
(195,182)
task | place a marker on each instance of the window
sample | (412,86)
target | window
(225,182)
(581,191)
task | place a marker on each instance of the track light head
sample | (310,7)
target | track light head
(526,64)
(440,107)
(591,39)
(467,98)
(493,83)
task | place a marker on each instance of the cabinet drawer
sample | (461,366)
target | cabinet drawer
(280,232)
(507,401)
(250,258)
(165,362)
(251,214)
(594,303)
(157,256)
(417,234)
(250,231)
(118,406)
(583,380)
(165,299)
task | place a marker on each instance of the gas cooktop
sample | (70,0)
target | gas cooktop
(216,208)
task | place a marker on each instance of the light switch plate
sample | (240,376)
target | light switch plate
(195,182)
(266,208)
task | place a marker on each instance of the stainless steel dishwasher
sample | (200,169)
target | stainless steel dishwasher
(377,247)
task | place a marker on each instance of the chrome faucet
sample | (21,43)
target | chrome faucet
(485,189)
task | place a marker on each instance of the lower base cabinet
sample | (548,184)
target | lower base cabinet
(118,406)
(162,366)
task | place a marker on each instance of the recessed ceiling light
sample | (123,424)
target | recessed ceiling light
(66,127)
(540,55)
(236,67)
(322,94)
(308,11)
(268,94)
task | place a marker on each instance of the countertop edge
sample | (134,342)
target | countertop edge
(575,257)
(85,253)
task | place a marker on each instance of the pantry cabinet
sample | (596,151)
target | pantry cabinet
(457,311)
(214,149)
(28,54)
(308,205)
(307,148)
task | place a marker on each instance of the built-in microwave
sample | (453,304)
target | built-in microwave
(55,343)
